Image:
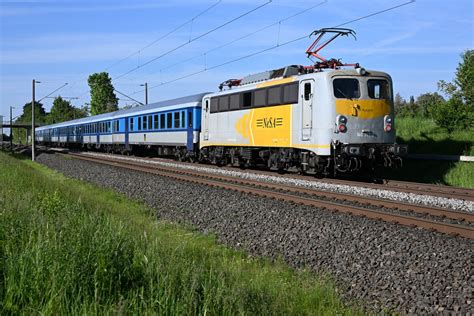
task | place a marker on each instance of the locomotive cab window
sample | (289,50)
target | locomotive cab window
(346,88)
(378,89)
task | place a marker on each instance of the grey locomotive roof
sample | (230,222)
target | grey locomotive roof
(152,106)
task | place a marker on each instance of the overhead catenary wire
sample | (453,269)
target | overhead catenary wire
(129,97)
(194,39)
(52,92)
(156,40)
(274,47)
(165,35)
(245,36)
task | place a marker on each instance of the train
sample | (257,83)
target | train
(296,118)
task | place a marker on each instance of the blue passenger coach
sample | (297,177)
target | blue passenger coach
(171,127)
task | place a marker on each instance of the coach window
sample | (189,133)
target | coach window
(247,99)
(155,121)
(260,97)
(144,123)
(224,103)
(176,120)
(150,122)
(274,95)
(214,105)
(169,120)
(139,123)
(290,93)
(162,121)
(346,88)
(190,118)
(378,89)
(131,123)
(183,122)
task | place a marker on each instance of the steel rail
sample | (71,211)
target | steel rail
(446,228)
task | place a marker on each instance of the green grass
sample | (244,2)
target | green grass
(68,247)
(424,137)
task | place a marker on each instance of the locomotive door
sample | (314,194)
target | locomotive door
(207,109)
(306,88)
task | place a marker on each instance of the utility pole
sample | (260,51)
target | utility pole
(146,91)
(11,127)
(33,121)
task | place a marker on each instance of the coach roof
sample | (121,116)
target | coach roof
(130,112)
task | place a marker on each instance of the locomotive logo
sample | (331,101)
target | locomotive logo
(269,122)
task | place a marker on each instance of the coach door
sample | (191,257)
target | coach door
(306,88)
(207,110)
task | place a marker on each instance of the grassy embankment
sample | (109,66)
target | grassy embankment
(68,247)
(424,137)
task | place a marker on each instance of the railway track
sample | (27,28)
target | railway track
(437,219)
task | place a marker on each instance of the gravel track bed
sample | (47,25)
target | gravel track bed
(382,265)
(428,200)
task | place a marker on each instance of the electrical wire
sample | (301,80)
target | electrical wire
(273,47)
(52,92)
(244,36)
(165,35)
(193,40)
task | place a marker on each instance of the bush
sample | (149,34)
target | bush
(453,114)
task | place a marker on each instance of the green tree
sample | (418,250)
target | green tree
(63,110)
(19,135)
(427,101)
(458,112)
(453,114)
(103,98)
(465,77)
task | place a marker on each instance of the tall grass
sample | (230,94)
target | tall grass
(67,247)
(425,137)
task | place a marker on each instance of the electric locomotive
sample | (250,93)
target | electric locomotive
(320,119)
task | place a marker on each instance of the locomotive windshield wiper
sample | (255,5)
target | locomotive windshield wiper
(343,94)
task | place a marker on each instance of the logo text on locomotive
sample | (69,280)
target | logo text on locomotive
(270,122)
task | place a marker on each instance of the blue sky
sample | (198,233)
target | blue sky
(60,41)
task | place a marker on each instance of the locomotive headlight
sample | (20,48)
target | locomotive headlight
(361,71)
(387,124)
(341,122)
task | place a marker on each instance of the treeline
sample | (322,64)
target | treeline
(456,112)
(103,100)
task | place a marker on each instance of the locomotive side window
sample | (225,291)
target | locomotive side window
(234,102)
(247,99)
(223,103)
(290,93)
(378,89)
(214,105)
(260,97)
(345,88)
(274,95)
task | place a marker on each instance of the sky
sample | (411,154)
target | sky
(64,41)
